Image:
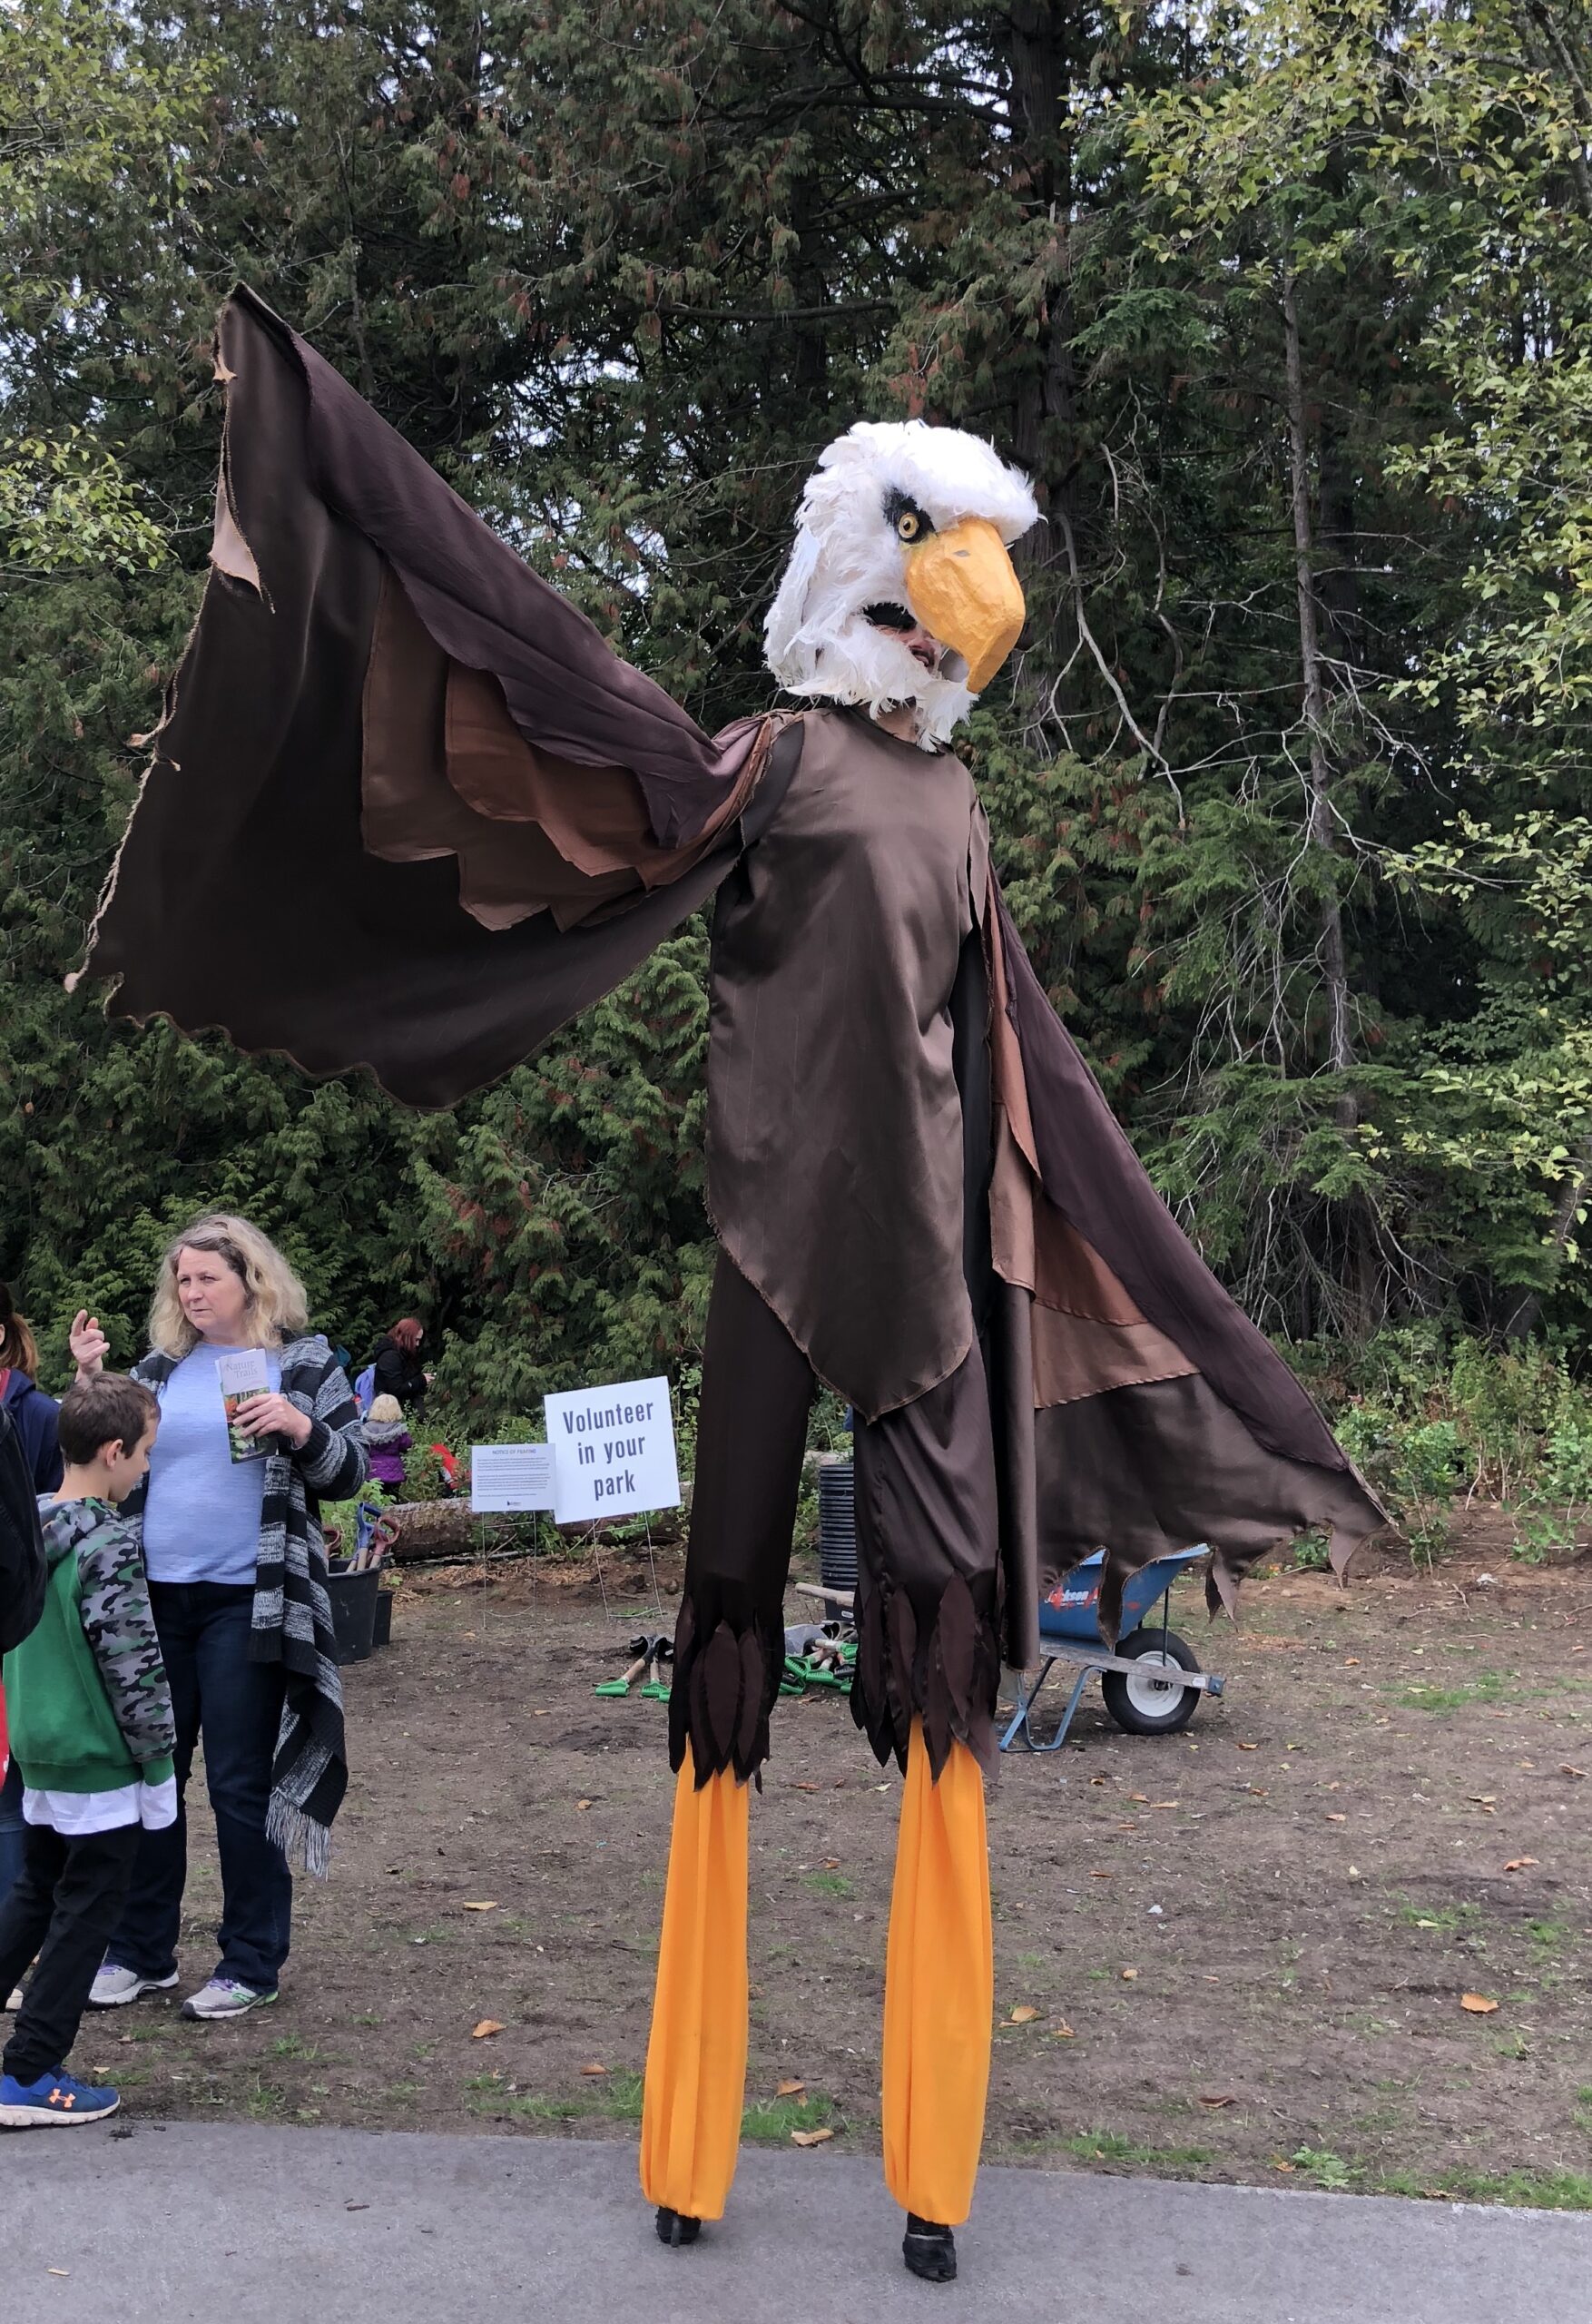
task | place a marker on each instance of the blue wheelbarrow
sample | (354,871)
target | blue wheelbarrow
(1152,1685)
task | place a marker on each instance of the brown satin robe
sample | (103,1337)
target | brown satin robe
(834,1120)
(839,1184)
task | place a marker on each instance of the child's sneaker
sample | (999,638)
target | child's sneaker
(225,1997)
(114,1985)
(54,2099)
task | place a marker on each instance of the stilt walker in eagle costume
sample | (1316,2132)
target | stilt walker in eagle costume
(386,722)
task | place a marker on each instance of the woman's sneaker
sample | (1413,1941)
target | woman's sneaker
(52,2099)
(225,1997)
(116,1985)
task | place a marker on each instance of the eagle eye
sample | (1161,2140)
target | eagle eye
(909,521)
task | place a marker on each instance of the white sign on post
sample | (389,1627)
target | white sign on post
(613,1450)
(511,1476)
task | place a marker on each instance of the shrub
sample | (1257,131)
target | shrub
(1430,1418)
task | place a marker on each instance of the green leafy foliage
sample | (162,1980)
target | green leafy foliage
(1433,1417)
(1284,310)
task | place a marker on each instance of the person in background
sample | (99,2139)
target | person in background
(22,1600)
(31,1416)
(396,1365)
(21,1545)
(387,1440)
(31,1412)
(237,1574)
(92,1733)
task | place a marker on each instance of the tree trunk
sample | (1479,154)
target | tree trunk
(1039,64)
(1318,829)
(1555,46)
(1337,584)
(1043,436)
(1524,1319)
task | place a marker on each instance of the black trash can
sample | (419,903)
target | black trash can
(836,1529)
(353,1611)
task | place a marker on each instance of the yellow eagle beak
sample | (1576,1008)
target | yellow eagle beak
(961,586)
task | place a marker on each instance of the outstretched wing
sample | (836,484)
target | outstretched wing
(1160,1416)
(406,808)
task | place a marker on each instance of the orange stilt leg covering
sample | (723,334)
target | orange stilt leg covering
(939,1989)
(696,2057)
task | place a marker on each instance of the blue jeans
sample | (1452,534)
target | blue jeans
(236,1706)
(12,1833)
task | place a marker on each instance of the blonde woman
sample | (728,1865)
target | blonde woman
(237,1575)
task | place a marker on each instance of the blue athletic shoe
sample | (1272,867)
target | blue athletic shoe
(55,2098)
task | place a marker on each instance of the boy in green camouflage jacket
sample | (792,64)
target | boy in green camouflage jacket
(92,1732)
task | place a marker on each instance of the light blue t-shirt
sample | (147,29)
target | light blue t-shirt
(201,1517)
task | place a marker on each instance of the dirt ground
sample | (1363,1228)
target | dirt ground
(1248,1948)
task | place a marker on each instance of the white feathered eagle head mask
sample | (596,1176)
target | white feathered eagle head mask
(901,521)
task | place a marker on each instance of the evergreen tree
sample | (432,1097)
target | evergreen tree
(1284,309)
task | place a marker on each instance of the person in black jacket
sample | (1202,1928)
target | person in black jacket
(32,1412)
(22,1544)
(22,1600)
(396,1363)
(34,1424)
(30,1424)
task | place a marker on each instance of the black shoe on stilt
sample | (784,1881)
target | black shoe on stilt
(675,2228)
(929,2250)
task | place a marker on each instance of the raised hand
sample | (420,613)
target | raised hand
(88,1344)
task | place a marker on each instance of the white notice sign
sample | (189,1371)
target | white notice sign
(511,1476)
(613,1450)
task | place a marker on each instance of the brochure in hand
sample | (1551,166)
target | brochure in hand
(241,1377)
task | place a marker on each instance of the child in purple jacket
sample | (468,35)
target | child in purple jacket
(388,1440)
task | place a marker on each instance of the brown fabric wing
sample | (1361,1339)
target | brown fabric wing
(565,690)
(243,898)
(1162,1418)
(1092,1175)
(1086,1334)
(508,870)
(531,832)
(1145,1471)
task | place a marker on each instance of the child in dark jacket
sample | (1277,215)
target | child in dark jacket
(92,1732)
(388,1441)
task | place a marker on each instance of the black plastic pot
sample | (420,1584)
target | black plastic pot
(837,1528)
(381,1632)
(353,1611)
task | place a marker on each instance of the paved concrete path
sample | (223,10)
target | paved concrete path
(194,2223)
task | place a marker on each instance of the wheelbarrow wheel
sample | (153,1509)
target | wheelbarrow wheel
(1152,1703)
